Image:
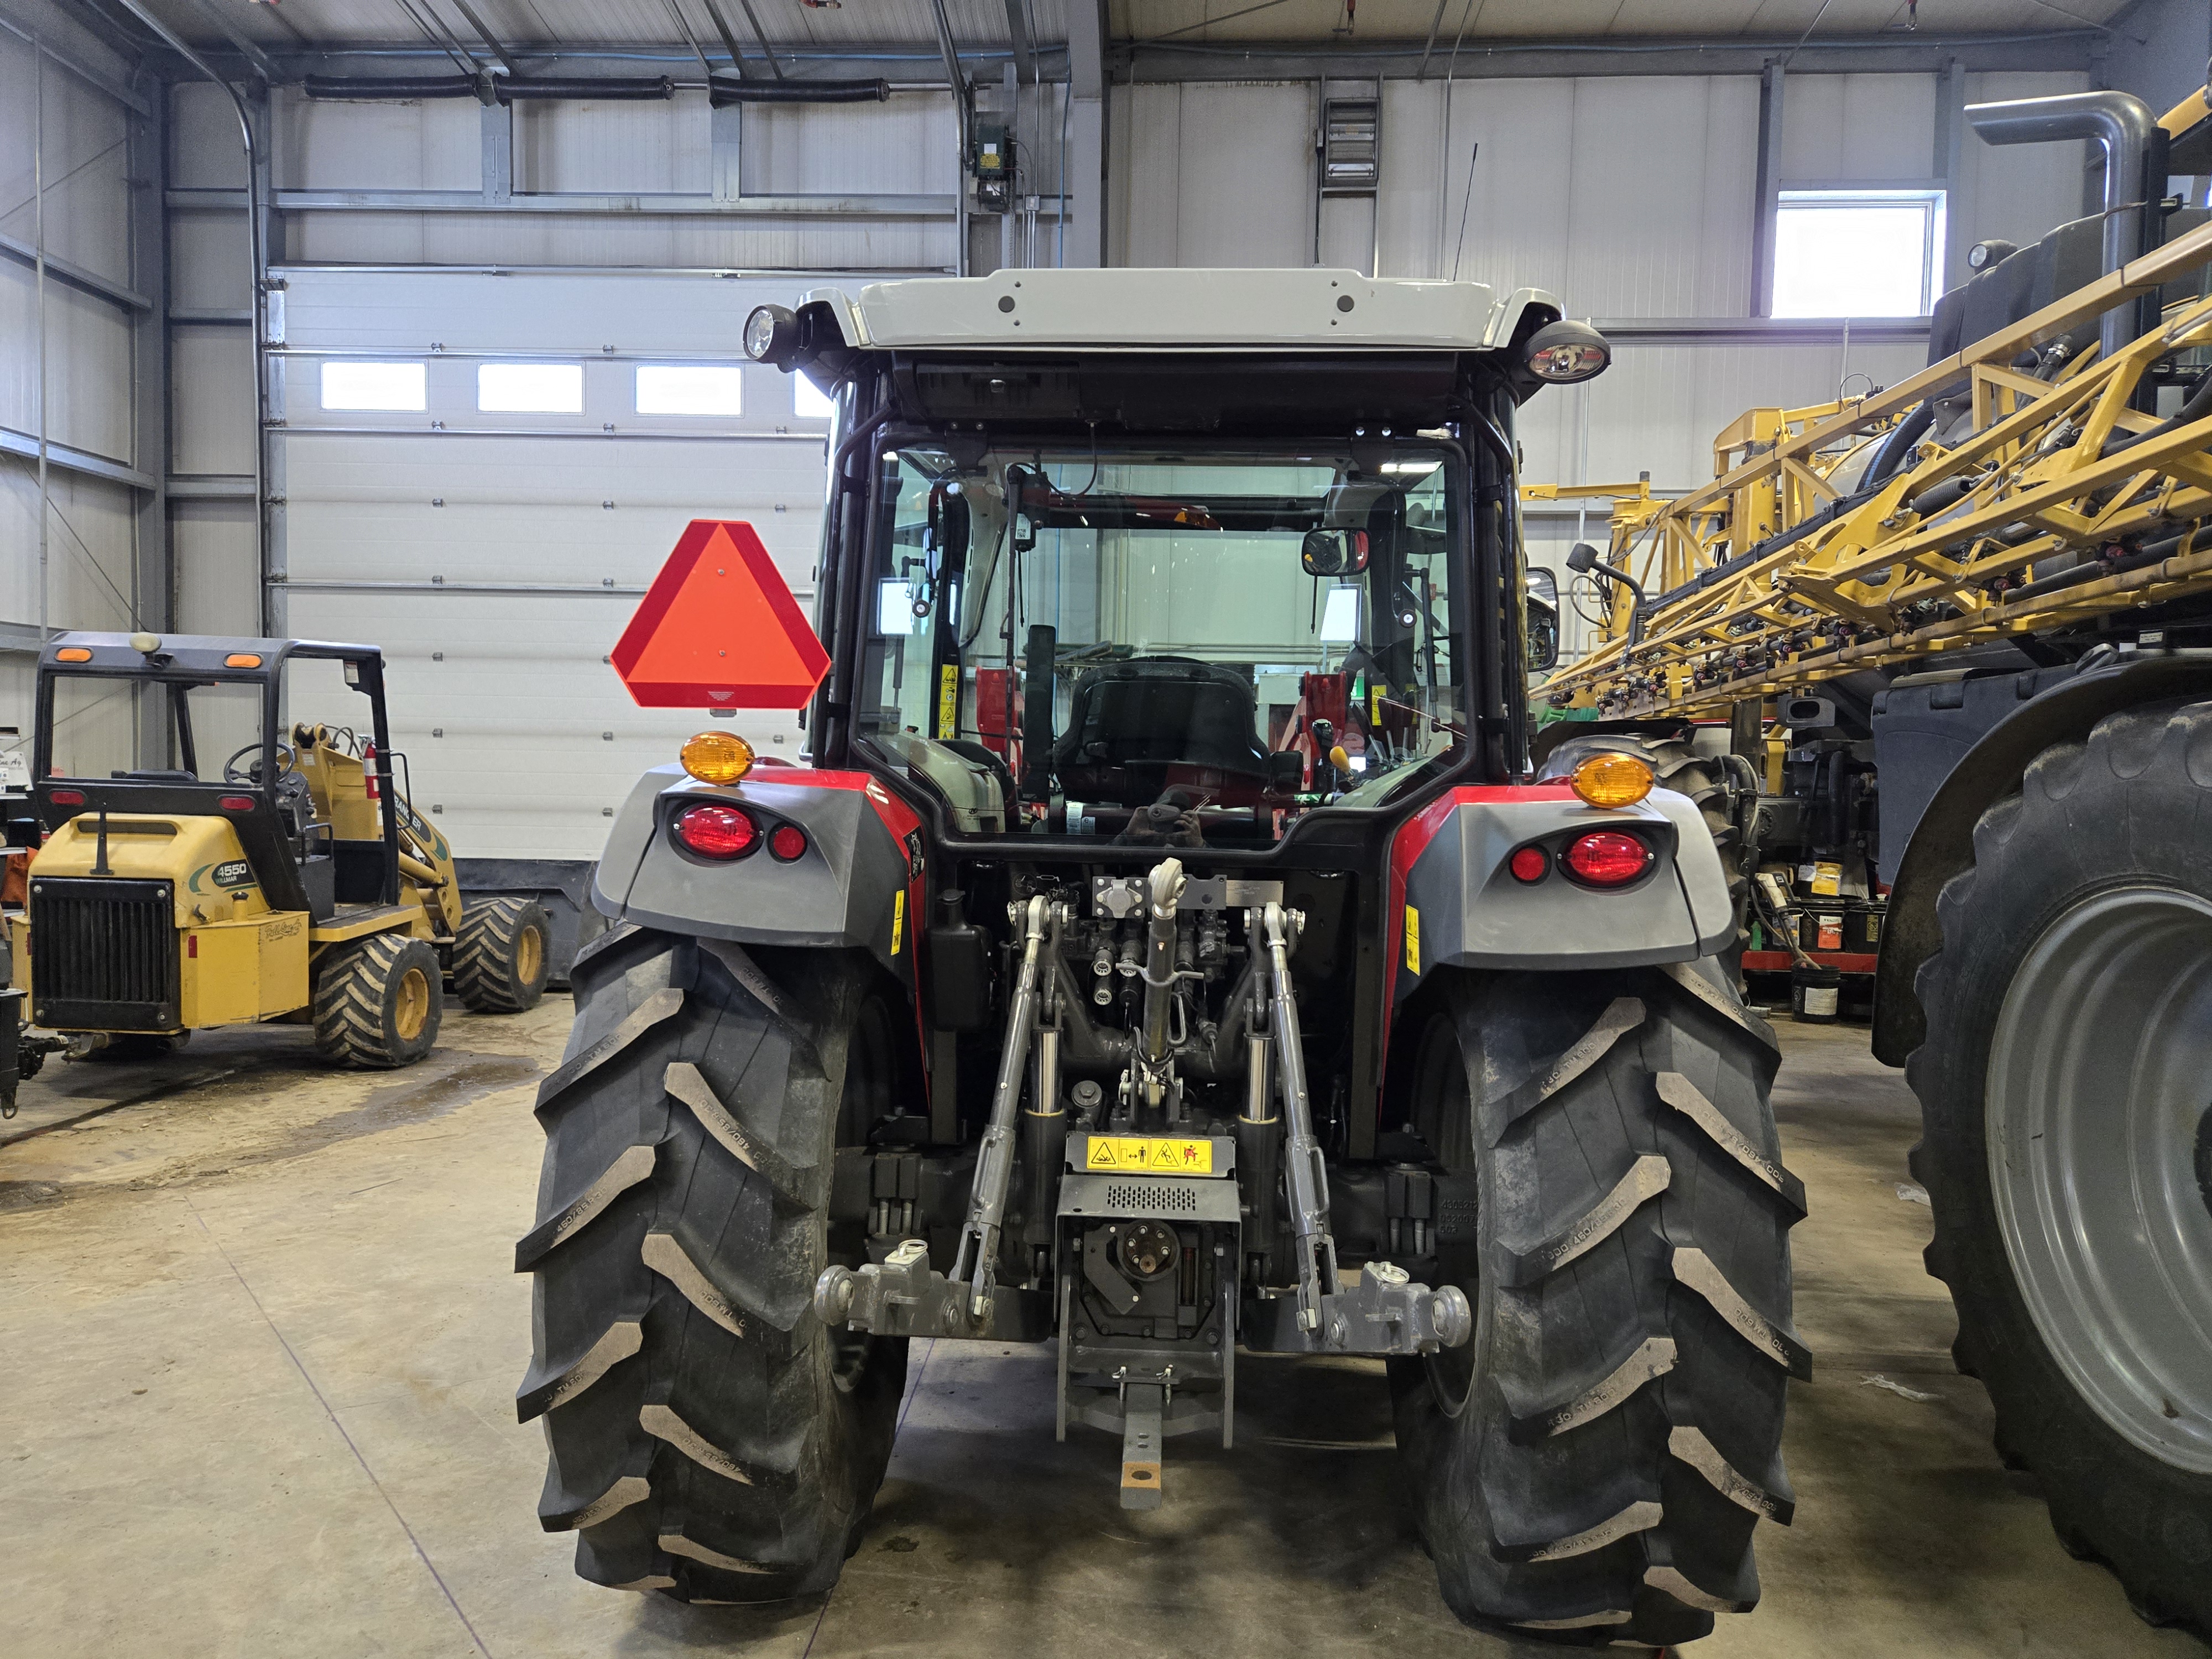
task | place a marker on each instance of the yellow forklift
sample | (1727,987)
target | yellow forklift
(271,870)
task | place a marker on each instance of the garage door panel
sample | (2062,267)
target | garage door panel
(513,724)
(516,730)
(462,542)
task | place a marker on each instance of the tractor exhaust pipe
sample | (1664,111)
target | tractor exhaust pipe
(2124,125)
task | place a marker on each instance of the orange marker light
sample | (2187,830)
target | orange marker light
(1613,779)
(241,659)
(717,756)
(72,653)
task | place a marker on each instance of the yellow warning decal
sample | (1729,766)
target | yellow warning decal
(898,918)
(1413,940)
(1144,1155)
(948,700)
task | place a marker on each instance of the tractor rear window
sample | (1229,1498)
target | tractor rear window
(1136,644)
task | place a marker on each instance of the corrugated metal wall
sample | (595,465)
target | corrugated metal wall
(60,131)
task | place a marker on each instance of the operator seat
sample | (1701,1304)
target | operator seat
(1130,722)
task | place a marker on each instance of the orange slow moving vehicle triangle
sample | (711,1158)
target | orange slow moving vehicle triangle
(718,628)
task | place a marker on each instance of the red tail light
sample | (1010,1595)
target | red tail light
(67,797)
(237,803)
(1606,858)
(717,832)
(1530,864)
(787,842)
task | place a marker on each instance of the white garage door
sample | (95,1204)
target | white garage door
(496,553)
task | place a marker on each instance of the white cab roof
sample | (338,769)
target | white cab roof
(1187,310)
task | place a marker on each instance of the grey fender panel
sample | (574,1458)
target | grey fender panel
(842,891)
(1474,914)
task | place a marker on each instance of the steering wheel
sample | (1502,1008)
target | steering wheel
(231,774)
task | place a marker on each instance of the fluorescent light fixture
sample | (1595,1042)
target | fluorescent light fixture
(531,388)
(690,389)
(809,399)
(894,608)
(373,385)
(1339,616)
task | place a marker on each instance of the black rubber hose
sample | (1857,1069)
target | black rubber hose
(1894,448)
(2091,569)
(722,93)
(2193,407)
(375,87)
(634,88)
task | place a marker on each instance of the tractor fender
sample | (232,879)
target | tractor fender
(858,884)
(1942,842)
(1454,903)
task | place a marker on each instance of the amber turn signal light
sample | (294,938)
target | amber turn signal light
(72,653)
(717,756)
(1612,779)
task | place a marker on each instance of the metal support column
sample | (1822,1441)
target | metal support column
(154,585)
(1769,188)
(1950,147)
(496,122)
(1085,215)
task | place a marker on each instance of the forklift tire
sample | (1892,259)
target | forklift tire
(707,1436)
(2067,1145)
(1588,1467)
(1702,778)
(377,1001)
(500,955)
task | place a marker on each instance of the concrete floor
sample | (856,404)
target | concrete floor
(258,1344)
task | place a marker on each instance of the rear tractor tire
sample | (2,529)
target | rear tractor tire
(2068,1141)
(1589,1466)
(377,1001)
(707,1436)
(501,954)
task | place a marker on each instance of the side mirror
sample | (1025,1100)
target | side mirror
(1333,552)
(1542,652)
(1582,558)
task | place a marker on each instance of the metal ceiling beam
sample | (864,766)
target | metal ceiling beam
(446,46)
(1017,33)
(855,205)
(485,35)
(760,35)
(683,27)
(1925,52)
(262,66)
(729,37)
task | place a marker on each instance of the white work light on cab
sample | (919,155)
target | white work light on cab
(1563,353)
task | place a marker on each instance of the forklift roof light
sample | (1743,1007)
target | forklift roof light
(72,653)
(241,659)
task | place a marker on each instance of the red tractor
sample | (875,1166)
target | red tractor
(1161,954)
